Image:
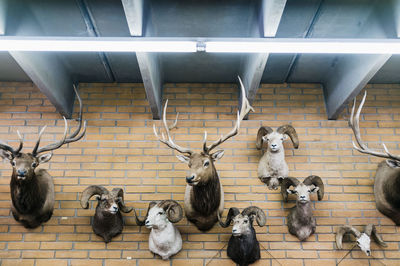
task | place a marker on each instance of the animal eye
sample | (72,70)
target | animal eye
(206,163)
(12,163)
(160,213)
(34,165)
(245,221)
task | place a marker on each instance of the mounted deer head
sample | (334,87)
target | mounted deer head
(24,164)
(387,177)
(202,164)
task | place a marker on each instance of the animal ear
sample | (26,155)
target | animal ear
(6,155)
(45,157)
(183,158)
(217,155)
(314,189)
(291,191)
(393,163)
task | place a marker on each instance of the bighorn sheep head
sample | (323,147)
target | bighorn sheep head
(275,139)
(158,214)
(363,239)
(303,190)
(243,222)
(109,202)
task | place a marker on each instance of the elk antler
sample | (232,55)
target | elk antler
(6,147)
(354,123)
(244,110)
(169,142)
(64,140)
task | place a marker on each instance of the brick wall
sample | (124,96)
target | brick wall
(119,150)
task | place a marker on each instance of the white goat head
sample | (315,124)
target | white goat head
(243,222)
(274,139)
(160,214)
(311,184)
(363,239)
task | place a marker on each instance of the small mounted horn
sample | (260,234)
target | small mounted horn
(232,213)
(119,192)
(173,210)
(291,132)
(286,183)
(370,230)
(344,230)
(89,192)
(142,222)
(316,181)
(257,212)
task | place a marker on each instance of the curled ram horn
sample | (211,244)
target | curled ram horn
(172,209)
(344,230)
(291,132)
(142,222)
(316,181)
(232,213)
(119,193)
(254,211)
(89,192)
(370,230)
(262,131)
(286,183)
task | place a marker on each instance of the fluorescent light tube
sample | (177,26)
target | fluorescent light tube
(306,46)
(88,44)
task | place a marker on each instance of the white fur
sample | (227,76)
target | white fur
(165,239)
(272,163)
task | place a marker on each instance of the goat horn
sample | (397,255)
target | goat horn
(89,192)
(232,213)
(142,222)
(343,230)
(316,181)
(262,131)
(254,210)
(371,230)
(119,193)
(291,132)
(286,183)
(173,209)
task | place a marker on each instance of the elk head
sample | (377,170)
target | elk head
(24,164)
(202,164)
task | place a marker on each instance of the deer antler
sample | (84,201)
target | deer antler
(354,123)
(64,140)
(244,110)
(168,141)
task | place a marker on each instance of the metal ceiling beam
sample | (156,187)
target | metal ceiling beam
(50,76)
(152,80)
(3,16)
(348,78)
(149,63)
(253,65)
(45,69)
(134,16)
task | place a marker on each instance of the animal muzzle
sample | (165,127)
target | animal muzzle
(236,232)
(113,209)
(21,174)
(191,180)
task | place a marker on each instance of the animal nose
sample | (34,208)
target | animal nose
(368,252)
(302,197)
(115,208)
(189,179)
(273,145)
(21,172)
(147,222)
(234,230)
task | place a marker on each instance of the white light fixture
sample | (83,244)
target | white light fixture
(213,45)
(89,44)
(306,46)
